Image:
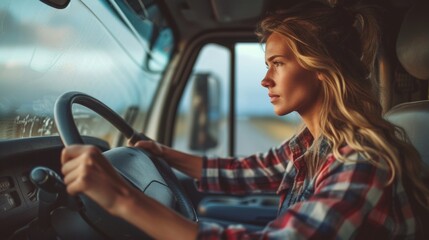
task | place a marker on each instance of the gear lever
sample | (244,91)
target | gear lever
(47,180)
(51,189)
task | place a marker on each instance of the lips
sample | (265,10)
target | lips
(273,97)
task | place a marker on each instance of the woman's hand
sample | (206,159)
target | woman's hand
(87,171)
(187,163)
(153,147)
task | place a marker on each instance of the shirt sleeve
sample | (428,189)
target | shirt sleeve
(253,174)
(344,195)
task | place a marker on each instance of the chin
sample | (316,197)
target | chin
(281,112)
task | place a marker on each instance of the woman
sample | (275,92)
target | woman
(346,175)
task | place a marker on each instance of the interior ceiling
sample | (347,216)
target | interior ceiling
(193,16)
(229,12)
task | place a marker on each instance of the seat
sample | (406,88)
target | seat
(412,48)
(413,117)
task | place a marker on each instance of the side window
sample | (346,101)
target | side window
(210,122)
(211,71)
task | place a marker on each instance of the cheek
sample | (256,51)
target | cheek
(299,83)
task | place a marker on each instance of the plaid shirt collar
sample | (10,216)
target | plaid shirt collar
(297,148)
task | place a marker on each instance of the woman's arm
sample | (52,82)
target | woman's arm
(153,218)
(187,163)
(350,201)
(87,171)
(252,174)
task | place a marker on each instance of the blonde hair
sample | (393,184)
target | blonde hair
(340,43)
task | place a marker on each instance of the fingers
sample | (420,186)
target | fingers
(69,172)
(150,146)
(81,182)
(85,158)
(73,151)
(75,184)
(131,142)
(87,171)
(144,144)
(78,163)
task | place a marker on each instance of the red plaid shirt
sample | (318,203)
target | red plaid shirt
(343,201)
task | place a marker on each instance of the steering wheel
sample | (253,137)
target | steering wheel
(151,175)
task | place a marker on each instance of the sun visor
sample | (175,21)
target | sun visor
(237,10)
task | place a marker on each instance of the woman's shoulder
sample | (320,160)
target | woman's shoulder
(351,164)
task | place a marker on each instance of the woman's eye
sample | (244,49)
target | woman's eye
(277,64)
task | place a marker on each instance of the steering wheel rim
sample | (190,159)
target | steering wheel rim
(69,134)
(65,123)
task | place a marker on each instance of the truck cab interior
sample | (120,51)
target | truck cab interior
(185,73)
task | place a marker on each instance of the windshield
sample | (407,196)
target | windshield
(115,51)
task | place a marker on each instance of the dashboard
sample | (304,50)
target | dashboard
(19,203)
(18,197)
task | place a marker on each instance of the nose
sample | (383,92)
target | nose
(267,82)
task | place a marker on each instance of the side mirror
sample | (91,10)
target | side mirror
(60,4)
(205,112)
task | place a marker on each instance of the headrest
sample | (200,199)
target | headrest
(412,46)
(413,117)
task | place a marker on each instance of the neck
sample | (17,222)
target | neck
(311,117)
(313,126)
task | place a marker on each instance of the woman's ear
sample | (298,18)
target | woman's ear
(320,76)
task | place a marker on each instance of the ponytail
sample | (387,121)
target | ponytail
(367,25)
